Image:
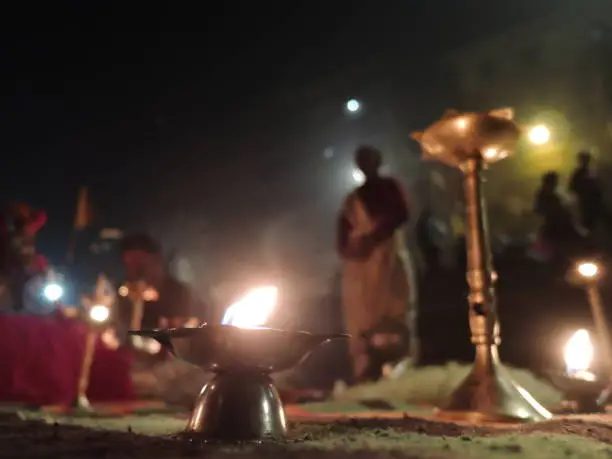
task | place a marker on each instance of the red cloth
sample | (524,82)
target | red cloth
(41,360)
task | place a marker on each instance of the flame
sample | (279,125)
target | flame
(578,352)
(588,269)
(253,309)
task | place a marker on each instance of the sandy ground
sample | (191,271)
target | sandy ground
(33,435)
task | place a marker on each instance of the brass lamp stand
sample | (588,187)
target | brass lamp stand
(97,310)
(469,141)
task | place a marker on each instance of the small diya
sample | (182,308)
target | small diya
(240,402)
(583,391)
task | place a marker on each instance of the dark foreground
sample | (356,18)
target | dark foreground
(144,437)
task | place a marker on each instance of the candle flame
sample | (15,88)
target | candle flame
(253,309)
(578,352)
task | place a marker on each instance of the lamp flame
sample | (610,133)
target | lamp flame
(578,355)
(588,269)
(253,309)
(99,313)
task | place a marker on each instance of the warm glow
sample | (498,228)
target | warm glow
(461,123)
(539,135)
(490,153)
(109,339)
(253,309)
(578,354)
(588,269)
(123,290)
(150,294)
(99,313)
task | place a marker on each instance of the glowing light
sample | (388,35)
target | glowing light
(490,153)
(461,123)
(539,135)
(353,106)
(578,355)
(123,290)
(53,292)
(99,313)
(358,176)
(150,294)
(588,269)
(253,309)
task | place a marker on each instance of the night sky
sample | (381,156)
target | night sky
(197,123)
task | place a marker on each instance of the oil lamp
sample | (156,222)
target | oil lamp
(240,402)
(470,142)
(587,274)
(581,388)
(97,310)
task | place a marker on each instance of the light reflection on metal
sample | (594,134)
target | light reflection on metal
(471,141)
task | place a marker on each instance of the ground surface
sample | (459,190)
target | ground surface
(364,421)
(432,385)
(36,435)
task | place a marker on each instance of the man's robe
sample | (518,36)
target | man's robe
(379,285)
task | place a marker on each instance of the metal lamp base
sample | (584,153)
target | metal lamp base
(580,396)
(488,393)
(238,406)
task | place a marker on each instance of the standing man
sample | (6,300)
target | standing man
(376,265)
(586,187)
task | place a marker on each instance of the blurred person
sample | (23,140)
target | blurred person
(376,265)
(20,261)
(586,187)
(25,222)
(457,227)
(425,230)
(558,235)
(172,304)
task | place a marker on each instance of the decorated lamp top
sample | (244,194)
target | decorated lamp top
(457,137)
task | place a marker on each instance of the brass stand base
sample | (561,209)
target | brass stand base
(488,392)
(238,407)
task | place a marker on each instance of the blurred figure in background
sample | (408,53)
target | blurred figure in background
(425,235)
(376,284)
(20,261)
(586,187)
(558,235)
(167,302)
(173,303)
(457,228)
